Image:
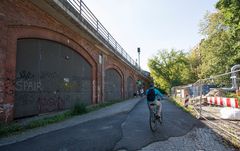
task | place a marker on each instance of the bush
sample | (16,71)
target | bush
(5,129)
(79,109)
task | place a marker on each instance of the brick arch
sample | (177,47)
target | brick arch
(113,84)
(130,89)
(120,72)
(130,86)
(22,32)
(18,32)
(117,69)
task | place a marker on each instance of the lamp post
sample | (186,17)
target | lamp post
(138,50)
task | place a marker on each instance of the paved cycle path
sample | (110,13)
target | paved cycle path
(126,130)
(137,133)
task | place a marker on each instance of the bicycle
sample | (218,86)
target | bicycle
(154,121)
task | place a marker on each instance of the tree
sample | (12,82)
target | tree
(215,54)
(170,69)
(213,49)
(194,57)
(231,18)
(231,12)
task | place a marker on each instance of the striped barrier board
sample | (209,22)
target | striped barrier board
(229,102)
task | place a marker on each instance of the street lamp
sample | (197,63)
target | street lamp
(138,50)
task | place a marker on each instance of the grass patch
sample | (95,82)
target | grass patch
(15,128)
(102,105)
(12,128)
(180,104)
(78,109)
(49,120)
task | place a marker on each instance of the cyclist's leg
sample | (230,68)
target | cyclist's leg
(149,106)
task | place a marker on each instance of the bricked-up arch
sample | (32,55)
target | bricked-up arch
(112,85)
(130,87)
(49,77)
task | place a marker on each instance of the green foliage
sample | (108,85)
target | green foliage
(5,129)
(219,51)
(231,18)
(212,24)
(102,105)
(194,58)
(180,105)
(170,69)
(231,12)
(215,54)
(79,109)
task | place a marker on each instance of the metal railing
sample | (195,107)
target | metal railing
(218,86)
(84,15)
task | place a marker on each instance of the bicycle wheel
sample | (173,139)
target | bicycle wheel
(153,121)
(161,118)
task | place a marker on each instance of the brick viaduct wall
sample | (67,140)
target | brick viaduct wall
(23,19)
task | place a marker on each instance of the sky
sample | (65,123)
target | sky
(152,25)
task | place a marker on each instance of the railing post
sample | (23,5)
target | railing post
(80,8)
(97,25)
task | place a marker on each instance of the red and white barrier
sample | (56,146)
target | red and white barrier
(229,102)
(186,102)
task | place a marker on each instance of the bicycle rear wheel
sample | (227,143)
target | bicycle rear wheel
(153,122)
(161,118)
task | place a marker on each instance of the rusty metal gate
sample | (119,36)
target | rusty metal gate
(49,77)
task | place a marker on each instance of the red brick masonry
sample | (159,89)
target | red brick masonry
(23,19)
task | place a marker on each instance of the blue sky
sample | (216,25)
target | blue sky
(152,25)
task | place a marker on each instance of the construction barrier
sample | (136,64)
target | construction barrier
(230,113)
(229,102)
(186,102)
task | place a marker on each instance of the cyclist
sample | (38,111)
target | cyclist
(154,96)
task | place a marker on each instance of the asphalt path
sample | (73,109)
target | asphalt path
(137,133)
(125,131)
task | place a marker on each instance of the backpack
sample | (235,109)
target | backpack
(151,95)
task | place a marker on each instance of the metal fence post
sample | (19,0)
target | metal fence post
(200,112)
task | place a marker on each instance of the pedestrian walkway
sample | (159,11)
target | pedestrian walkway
(122,107)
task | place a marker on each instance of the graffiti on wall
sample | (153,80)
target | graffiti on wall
(49,104)
(5,111)
(25,82)
(47,92)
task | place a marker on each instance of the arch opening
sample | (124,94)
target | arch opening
(112,85)
(49,77)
